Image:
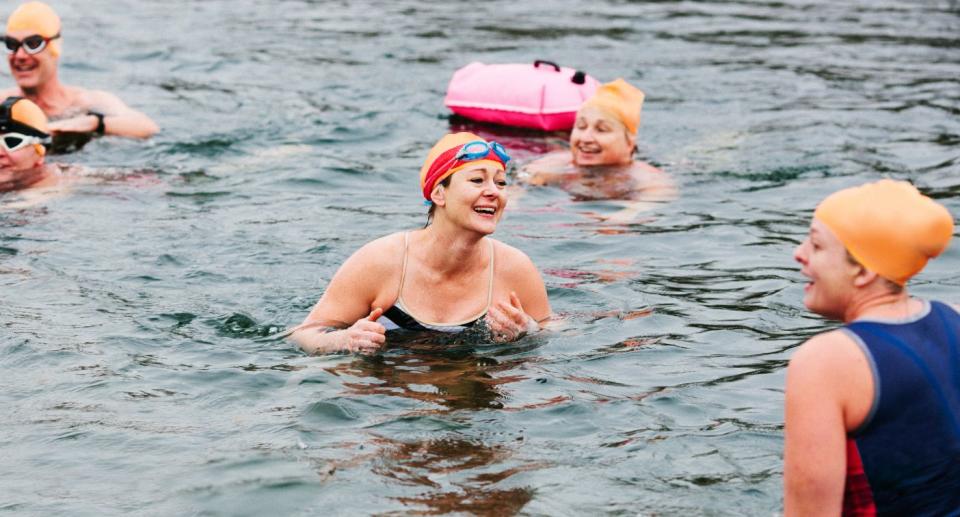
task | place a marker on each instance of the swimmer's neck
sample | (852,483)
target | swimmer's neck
(884,305)
(52,96)
(452,251)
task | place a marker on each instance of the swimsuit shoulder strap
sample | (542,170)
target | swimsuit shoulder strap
(403,268)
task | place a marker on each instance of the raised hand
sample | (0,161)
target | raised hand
(365,336)
(508,322)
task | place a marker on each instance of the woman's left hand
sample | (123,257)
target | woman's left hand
(508,322)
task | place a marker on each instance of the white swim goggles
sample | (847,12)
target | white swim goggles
(32,45)
(16,141)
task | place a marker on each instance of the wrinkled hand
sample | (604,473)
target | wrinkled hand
(508,322)
(366,336)
(78,124)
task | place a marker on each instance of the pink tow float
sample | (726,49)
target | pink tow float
(540,96)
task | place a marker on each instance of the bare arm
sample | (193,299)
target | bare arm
(345,317)
(829,392)
(118,118)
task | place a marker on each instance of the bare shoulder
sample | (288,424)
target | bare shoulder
(379,256)
(831,362)
(100,100)
(515,262)
(641,167)
(825,350)
(545,168)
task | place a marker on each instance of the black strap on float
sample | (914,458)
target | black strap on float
(537,63)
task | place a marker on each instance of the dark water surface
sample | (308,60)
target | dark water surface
(139,367)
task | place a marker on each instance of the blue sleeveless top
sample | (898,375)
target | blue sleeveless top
(909,444)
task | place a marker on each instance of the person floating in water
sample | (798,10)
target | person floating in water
(448,277)
(24,138)
(600,163)
(34,43)
(873,408)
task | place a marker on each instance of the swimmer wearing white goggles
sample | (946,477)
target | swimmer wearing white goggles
(23,146)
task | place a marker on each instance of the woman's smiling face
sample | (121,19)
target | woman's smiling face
(476,197)
(598,138)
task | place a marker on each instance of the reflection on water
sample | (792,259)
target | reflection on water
(450,381)
(420,464)
(140,314)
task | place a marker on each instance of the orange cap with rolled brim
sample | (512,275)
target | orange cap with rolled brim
(430,175)
(40,18)
(620,99)
(888,226)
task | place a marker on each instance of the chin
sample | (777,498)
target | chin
(27,82)
(587,159)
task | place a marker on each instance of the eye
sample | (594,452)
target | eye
(502,183)
(477,180)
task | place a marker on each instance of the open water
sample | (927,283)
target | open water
(140,370)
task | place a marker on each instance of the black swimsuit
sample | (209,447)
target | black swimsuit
(398,317)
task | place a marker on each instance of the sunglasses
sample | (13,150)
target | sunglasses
(16,141)
(31,44)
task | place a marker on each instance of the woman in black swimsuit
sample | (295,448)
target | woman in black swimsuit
(447,277)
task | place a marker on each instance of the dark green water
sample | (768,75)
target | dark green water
(139,372)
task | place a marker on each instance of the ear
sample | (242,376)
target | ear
(632,142)
(864,277)
(438,196)
(41,152)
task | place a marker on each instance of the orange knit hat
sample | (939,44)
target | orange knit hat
(621,100)
(888,226)
(38,17)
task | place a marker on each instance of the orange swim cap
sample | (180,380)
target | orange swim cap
(429,180)
(40,18)
(888,226)
(621,100)
(28,113)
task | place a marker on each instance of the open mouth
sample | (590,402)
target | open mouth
(26,66)
(588,150)
(485,210)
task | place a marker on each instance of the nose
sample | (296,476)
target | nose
(20,53)
(800,253)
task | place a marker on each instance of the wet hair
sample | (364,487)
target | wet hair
(433,208)
(892,286)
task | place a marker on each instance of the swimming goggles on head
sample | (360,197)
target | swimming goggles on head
(16,141)
(478,149)
(31,44)
(456,157)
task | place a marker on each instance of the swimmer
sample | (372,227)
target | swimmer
(873,408)
(600,164)
(24,138)
(34,43)
(448,277)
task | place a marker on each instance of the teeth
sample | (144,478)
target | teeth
(485,210)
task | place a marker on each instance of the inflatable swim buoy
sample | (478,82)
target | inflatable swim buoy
(541,96)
